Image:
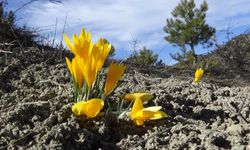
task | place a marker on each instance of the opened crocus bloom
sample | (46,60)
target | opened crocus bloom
(90,108)
(75,70)
(139,114)
(115,72)
(199,72)
(143,96)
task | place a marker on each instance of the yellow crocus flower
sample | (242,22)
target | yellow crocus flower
(115,72)
(104,49)
(75,70)
(143,96)
(82,44)
(91,56)
(90,108)
(139,114)
(89,71)
(199,72)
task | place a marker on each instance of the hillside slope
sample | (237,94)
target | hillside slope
(36,95)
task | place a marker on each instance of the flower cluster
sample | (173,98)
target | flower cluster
(92,86)
(85,68)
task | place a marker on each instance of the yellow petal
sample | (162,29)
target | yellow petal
(137,106)
(69,66)
(85,48)
(158,115)
(152,108)
(90,108)
(75,39)
(83,33)
(76,68)
(88,36)
(103,51)
(139,122)
(115,72)
(142,116)
(68,43)
(143,96)
(88,69)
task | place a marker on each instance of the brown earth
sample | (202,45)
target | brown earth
(36,96)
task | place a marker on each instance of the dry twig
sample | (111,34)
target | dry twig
(8,52)
(231,108)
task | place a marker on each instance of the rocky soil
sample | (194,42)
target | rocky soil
(36,96)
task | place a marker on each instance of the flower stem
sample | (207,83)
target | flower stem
(75,97)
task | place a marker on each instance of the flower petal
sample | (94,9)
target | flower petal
(144,96)
(89,70)
(115,72)
(90,108)
(68,43)
(152,108)
(69,66)
(158,115)
(76,68)
(139,122)
(137,106)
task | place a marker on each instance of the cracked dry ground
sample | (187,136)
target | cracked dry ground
(36,95)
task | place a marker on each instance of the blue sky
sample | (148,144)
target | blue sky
(121,21)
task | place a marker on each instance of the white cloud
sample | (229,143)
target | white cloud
(224,12)
(119,20)
(112,19)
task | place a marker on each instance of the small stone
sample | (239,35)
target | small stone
(235,129)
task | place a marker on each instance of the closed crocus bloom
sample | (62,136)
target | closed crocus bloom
(140,114)
(115,72)
(100,52)
(144,96)
(199,72)
(90,108)
(104,49)
(85,35)
(75,70)
(88,68)
(81,44)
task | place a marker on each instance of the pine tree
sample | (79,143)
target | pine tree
(188,28)
(145,56)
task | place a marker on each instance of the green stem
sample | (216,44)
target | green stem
(109,109)
(121,105)
(130,105)
(88,94)
(118,106)
(75,91)
(84,90)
